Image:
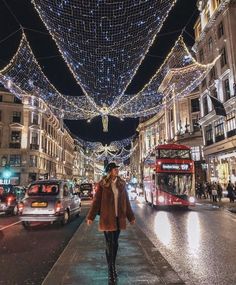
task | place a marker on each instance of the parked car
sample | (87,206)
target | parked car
(86,191)
(49,201)
(8,200)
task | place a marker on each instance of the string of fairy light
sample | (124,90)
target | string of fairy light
(118,151)
(103,42)
(72,27)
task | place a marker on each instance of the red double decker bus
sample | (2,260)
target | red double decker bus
(169,176)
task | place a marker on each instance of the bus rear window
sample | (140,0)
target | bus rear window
(43,189)
(174,153)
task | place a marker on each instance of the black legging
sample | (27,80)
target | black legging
(111,238)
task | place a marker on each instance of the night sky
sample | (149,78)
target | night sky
(45,50)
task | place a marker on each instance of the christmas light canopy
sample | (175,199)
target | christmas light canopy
(103,42)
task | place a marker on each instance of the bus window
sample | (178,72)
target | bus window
(178,184)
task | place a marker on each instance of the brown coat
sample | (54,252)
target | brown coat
(104,204)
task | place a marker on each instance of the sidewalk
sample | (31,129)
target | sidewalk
(83,260)
(224,204)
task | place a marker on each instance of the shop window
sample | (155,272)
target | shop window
(220,30)
(223,58)
(195,106)
(16,117)
(15,160)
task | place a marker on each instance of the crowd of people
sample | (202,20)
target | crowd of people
(214,191)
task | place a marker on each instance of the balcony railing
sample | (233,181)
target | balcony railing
(14,145)
(231,133)
(220,138)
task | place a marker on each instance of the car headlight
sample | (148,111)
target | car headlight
(161,199)
(191,199)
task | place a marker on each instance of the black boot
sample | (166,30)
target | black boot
(111,278)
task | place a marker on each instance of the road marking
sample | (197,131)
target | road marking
(8,226)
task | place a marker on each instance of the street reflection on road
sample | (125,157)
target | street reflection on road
(193,233)
(162,228)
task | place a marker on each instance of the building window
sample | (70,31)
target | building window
(226,89)
(231,124)
(205,106)
(212,73)
(196,153)
(34,138)
(203,82)
(223,58)
(16,117)
(17,100)
(214,92)
(35,118)
(219,127)
(0,115)
(33,161)
(0,98)
(15,160)
(15,136)
(201,55)
(210,44)
(220,30)
(195,106)
(209,135)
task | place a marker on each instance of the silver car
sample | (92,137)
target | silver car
(49,201)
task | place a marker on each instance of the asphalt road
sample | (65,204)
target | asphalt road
(28,255)
(199,244)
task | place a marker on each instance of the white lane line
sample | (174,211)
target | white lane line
(8,226)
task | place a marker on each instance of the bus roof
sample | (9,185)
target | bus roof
(172,146)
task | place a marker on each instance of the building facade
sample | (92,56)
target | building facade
(34,143)
(214,36)
(177,122)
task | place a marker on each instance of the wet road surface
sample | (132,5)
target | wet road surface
(198,243)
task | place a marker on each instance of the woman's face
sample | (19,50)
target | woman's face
(114,172)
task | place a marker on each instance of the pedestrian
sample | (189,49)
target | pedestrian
(230,190)
(214,192)
(111,202)
(219,191)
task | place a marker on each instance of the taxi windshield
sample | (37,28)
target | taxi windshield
(43,189)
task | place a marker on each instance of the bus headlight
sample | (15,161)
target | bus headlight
(191,199)
(161,199)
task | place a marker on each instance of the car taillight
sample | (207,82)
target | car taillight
(9,200)
(20,207)
(58,206)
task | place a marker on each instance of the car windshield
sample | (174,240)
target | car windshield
(43,189)
(86,187)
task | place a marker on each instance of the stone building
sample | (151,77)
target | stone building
(34,143)
(215,35)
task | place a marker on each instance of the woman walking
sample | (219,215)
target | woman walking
(111,202)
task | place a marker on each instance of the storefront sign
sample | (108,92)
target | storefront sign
(175,166)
